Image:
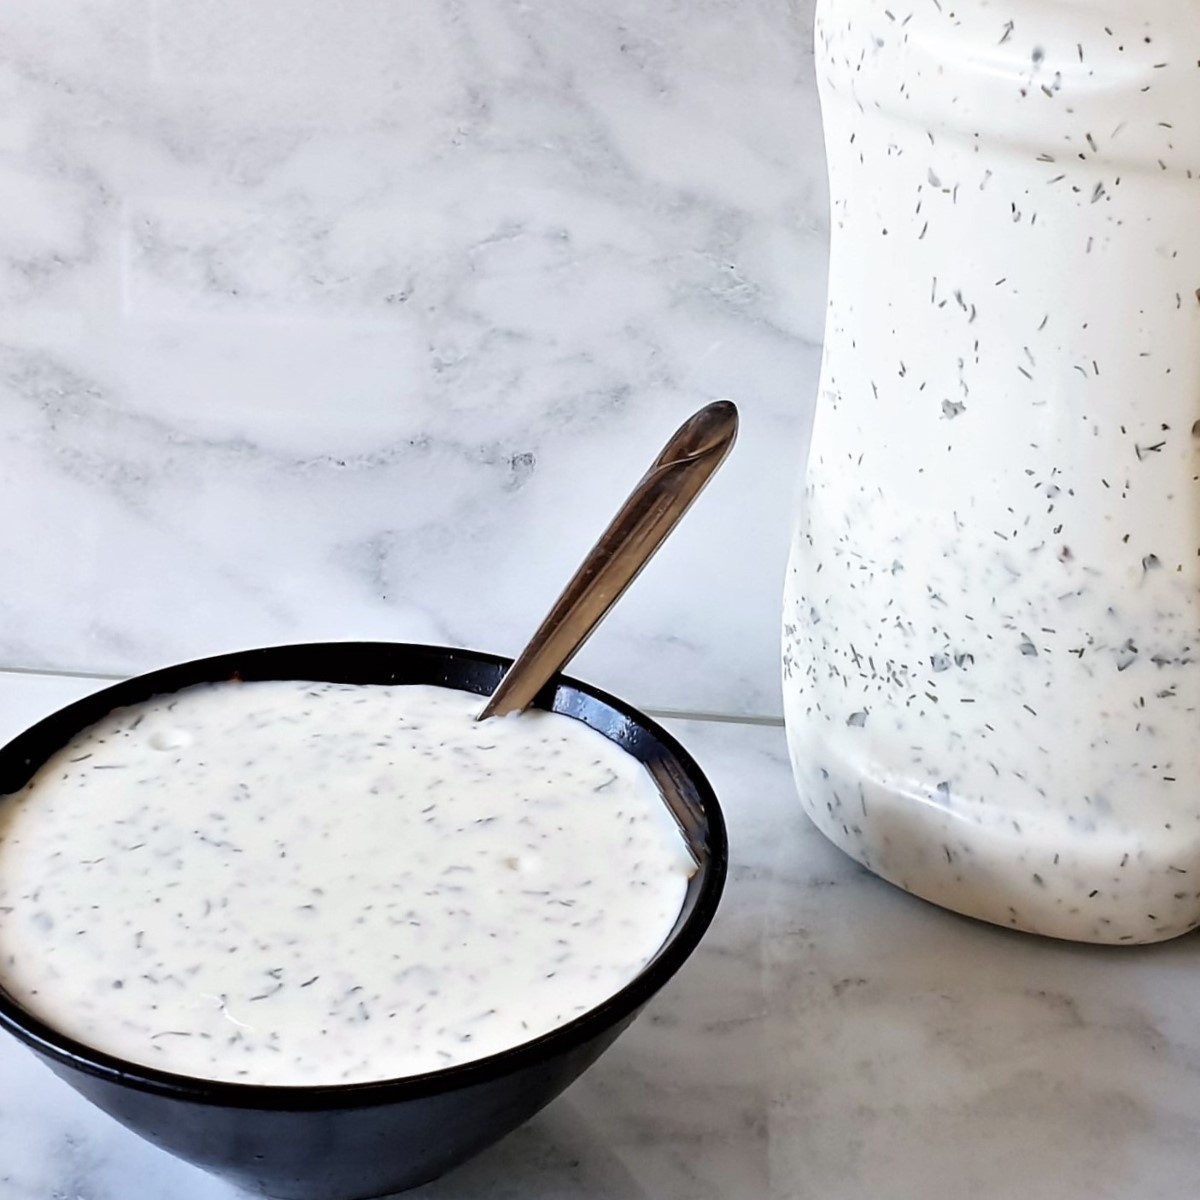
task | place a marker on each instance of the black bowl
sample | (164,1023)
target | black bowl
(342,1142)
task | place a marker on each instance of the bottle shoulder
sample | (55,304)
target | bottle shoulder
(1044,74)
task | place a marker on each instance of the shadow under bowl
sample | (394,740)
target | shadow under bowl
(344,1142)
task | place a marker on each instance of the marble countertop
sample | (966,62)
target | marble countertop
(832,1037)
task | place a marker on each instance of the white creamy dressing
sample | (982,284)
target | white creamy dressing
(290,882)
(992,630)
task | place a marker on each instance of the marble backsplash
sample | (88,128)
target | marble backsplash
(358,320)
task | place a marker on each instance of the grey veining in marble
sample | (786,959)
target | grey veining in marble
(359,319)
(832,1038)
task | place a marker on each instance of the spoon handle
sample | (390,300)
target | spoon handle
(653,509)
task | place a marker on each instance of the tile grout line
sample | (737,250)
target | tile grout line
(659,714)
(677,714)
(59,673)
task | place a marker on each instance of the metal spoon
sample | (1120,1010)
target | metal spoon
(653,509)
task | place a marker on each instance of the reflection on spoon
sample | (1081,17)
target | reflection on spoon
(673,481)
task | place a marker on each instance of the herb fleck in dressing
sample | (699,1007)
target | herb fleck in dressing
(310,883)
(992,630)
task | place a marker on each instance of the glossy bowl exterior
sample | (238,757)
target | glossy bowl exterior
(343,1142)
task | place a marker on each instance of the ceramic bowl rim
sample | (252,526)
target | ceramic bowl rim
(66,1051)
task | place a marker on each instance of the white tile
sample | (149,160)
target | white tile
(25,699)
(359,321)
